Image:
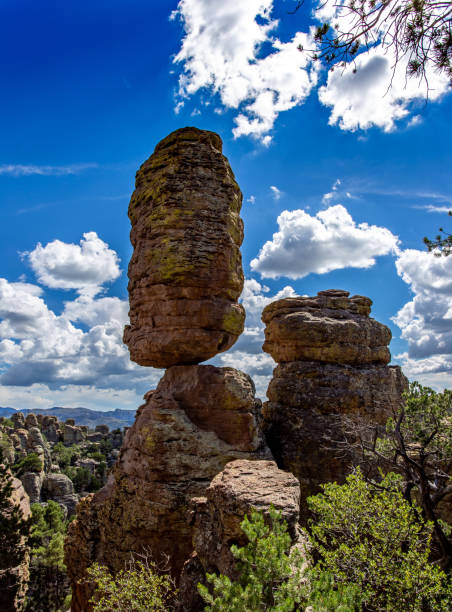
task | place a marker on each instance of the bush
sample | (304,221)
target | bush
(137,588)
(65,456)
(31,463)
(373,538)
(274,578)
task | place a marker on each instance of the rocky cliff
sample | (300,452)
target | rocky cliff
(14,555)
(332,376)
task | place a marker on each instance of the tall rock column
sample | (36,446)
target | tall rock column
(332,371)
(185,277)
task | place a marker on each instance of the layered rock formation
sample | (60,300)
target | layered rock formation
(197,420)
(14,557)
(185,278)
(332,377)
(241,487)
(185,275)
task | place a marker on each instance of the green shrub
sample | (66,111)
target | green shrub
(31,463)
(274,578)
(373,538)
(137,588)
(270,575)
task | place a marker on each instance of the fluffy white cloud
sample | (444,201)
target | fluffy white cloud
(330,240)
(426,320)
(84,267)
(370,92)
(78,349)
(222,51)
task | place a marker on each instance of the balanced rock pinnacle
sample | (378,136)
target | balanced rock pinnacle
(185,274)
(331,382)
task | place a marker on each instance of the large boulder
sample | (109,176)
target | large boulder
(32,483)
(332,381)
(185,274)
(243,486)
(59,488)
(197,420)
(330,327)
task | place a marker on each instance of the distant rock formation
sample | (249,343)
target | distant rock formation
(38,434)
(185,275)
(14,565)
(332,368)
(241,487)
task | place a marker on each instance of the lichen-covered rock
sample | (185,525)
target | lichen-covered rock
(197,420)
(330,327)
(185,274)
(241,487)
(332,381)
(14,565)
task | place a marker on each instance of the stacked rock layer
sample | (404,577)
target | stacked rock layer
(185,275)
(332,378)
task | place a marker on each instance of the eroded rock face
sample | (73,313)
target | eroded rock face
(197,420)
(332,379)
(185,275)
(241,487)
(14,565)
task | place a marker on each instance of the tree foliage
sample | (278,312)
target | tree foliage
(48,586)
(270,575)
(442,244)
(275,578)
(419,30)
(417,443)
(140,587)
(30,463)
(372,538)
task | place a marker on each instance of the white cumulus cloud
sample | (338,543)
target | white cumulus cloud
(83,267)
(222,52)
(369,92)
(329,240)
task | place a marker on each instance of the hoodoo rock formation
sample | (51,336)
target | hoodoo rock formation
(185,275)
(241,487)
(332,371)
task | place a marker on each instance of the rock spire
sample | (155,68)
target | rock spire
(332,369)
(185,274)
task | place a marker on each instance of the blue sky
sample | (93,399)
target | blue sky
(341,180)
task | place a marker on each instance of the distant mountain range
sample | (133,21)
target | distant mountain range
(82,416)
